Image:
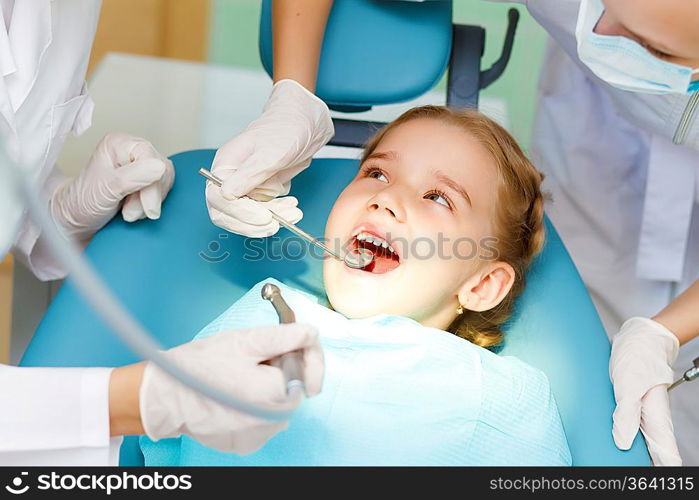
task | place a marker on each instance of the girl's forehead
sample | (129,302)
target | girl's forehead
(430,144)
(427,135)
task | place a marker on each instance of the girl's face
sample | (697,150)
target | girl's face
(429,191)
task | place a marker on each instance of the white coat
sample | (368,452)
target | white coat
(623,169)
(51,416)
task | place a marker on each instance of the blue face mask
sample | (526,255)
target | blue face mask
(625,64)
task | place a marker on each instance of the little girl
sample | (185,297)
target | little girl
(453,213)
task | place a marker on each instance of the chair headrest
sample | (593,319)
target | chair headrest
(376,51)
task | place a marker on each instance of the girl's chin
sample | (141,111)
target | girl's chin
(357,298)
(351,310)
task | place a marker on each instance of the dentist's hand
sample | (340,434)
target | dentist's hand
(640,368)
(262,160)
(122,168)
(234,362)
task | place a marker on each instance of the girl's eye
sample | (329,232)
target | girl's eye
(375,173)
(438,195)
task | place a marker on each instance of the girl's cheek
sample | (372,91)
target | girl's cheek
(353,198)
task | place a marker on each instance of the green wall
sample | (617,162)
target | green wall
(234,31)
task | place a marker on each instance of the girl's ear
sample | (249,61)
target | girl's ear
(489,288)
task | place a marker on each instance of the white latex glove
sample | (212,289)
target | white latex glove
(233,362)
(641,370)
(121,168)
(263,159)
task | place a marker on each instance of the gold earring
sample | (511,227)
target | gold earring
(460,310)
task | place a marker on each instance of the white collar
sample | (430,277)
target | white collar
(23,47)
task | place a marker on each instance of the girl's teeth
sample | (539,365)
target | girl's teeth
(374,240)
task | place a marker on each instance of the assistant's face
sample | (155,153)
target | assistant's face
(668,29)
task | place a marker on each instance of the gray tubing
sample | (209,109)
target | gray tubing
(98,295)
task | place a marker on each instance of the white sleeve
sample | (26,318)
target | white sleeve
(30,248)
(55,416)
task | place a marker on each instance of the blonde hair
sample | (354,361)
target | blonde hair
(520,211)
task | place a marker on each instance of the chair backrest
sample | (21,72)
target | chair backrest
(372,34)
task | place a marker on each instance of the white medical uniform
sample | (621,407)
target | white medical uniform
(623,169)
(50,416)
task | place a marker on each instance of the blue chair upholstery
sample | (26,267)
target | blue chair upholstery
(371,33)
(178,273)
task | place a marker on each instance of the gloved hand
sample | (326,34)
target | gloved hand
(121,168)
(640,368)
(233,362)
(262,160)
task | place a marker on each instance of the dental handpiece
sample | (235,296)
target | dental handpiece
(688,376)
(357,259)
(290,363)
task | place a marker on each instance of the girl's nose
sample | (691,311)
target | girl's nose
(388,201)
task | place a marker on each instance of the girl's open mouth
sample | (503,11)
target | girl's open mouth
(385,257)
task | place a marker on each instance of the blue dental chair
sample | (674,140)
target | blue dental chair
(178,273)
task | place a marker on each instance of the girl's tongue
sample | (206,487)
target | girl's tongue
(384,260)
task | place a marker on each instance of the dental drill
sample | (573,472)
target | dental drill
(688,376)
(290,363)
(358,259)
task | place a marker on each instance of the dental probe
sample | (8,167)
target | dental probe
(290,363)
(688,376)
(357,259)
